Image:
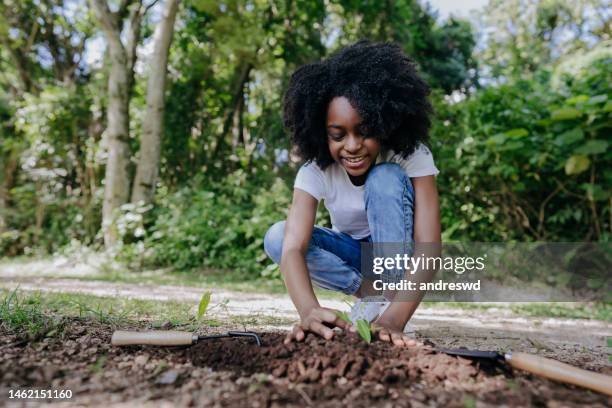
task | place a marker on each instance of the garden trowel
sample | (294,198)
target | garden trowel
(544,367)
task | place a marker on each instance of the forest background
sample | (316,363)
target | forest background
(153,129)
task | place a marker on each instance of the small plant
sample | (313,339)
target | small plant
(204,302)
(363,326)
(365,330)
(344,316)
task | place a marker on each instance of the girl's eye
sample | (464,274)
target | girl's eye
(336,136)
(362,132)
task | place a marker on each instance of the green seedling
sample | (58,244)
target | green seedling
(363,326)
(344,316)
(204,302)
(364,330)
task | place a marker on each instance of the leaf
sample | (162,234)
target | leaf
(363,328)
(514,145)
(496,139)
(593,100)
(204,304)
(569,137)
(593,147)
(595,191)
(565,114)
(577,99)
(577,164)
(516,133)
(344,316)
(205,6)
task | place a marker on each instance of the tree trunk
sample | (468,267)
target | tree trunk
(116,178)
(241,77)
(8,181)
(152,127)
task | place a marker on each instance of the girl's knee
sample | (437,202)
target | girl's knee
(273,241)
(387,179)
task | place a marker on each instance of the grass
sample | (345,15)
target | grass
(24,316)
(21,310)
(33,312)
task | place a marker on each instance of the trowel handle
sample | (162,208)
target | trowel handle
(558,371)
(153,338)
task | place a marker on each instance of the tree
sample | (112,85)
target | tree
(152,126)
(120,79)
(522,36)
(442,52)
(43,45)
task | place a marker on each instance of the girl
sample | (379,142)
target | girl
(360,120)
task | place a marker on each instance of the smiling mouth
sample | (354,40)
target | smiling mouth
(354,159)
(354,162)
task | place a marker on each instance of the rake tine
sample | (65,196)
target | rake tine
(246,334)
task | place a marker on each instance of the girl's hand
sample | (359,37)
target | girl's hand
(389,332)
(318,321)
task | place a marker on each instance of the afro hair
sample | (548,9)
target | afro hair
(382,85)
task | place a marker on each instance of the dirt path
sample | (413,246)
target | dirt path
(582,342)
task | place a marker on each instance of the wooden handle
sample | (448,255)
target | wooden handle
(153,338)
(557,371)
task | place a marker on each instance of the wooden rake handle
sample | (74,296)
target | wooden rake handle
(558,371)
(153,338)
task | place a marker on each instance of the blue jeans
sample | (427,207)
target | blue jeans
(333,258)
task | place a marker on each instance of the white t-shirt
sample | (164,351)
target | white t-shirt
(344,200)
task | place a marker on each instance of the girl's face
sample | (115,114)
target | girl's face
(347,144)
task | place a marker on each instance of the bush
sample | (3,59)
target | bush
(51,201)
(220,226)
(522,162)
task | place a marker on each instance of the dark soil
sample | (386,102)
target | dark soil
(235,372)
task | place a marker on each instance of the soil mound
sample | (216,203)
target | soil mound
(235,372)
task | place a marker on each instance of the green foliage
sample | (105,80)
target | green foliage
(221,225)
(344,316)
(522,162)
(24,316)
(524,36)
(56,163)
(525,157)
(364,330)
(443,52)
(203,305)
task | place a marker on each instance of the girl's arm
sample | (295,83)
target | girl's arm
(298,231)
(426,210)
(426,231)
